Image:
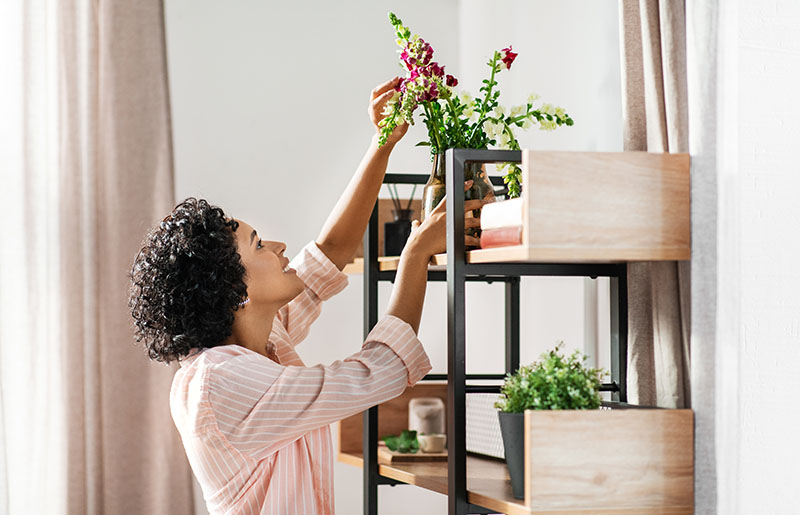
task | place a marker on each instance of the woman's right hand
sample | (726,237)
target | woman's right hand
(430,236)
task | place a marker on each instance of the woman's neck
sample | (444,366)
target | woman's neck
(251,329)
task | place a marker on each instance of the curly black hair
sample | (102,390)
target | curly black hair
(187,281)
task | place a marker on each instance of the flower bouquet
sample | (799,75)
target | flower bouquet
(459,120)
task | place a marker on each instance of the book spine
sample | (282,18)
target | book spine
(501,237)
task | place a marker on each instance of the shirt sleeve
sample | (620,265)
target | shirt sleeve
(323,280)
(261,406)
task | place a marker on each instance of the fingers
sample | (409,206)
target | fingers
(441,206)
(386,86)
(469,205)
(381,99)
(470,223)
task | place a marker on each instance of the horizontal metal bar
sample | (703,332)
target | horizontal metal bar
(506,272)
(541,269)
(474,509)
(418,178)
(470,155)
(474,377)
(625,405)
(383,480)
(482,388)
(609,387)
(441,276)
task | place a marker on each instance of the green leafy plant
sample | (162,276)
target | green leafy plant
(554,382)
(406,442)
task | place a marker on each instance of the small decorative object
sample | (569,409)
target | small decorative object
(432,443)
(459,120)
(405,442)
(426,415)
(396,233)
(555,382)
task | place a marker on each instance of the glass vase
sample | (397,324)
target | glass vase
(434,189)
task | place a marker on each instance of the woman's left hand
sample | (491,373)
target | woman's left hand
(380,95)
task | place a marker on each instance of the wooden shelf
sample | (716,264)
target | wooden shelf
(525,254)
(487,480)
(594,207)
(487,485)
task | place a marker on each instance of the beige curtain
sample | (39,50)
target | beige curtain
(655,115)
(86,427)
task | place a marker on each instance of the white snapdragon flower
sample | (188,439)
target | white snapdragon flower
(527,124)
(547,125)
(465,98)
(499,111)
(389,107)
(533,97)
(488,127)
(503,140)
(548,109)
(560,112)
(468,111)
(517,110)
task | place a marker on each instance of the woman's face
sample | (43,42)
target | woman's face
(267,276)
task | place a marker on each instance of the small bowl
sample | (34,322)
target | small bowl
(431,443)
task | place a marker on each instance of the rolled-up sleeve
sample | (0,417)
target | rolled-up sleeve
(323,280)
(261,406)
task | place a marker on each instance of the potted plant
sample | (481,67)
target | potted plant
(555,382)
(459,120)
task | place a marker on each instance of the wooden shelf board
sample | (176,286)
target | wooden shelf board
(487,485)
(524,254)
(487,482)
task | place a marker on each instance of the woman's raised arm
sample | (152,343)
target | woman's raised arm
(343,230)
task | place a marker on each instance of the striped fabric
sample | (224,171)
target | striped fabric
(257,432)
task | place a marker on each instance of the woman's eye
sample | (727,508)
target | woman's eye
(258,246)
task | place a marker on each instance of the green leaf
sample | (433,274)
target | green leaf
(406,442)
(423,144)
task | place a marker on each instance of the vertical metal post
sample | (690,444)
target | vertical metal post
(370,430)
(618,289)
(456,337)
(623,332)
(512,325)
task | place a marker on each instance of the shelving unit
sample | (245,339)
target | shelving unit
(475,484)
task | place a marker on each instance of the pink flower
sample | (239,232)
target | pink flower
(507,56)
(452,81)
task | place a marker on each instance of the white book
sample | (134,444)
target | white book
(505,213)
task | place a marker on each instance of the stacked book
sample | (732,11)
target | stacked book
(501,223)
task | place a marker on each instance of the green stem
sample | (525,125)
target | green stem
(488,93)
(432,126)
(514,142)
(458,123)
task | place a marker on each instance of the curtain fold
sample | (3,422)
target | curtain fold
(655,112)
(124,452)
(84,415)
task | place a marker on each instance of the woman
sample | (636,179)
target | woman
(209,292)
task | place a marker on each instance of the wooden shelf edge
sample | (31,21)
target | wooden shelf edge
(525,254)
(437,482)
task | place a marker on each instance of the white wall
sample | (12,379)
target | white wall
(758,423)
(269,117)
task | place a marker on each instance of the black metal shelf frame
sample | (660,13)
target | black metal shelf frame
(457,273)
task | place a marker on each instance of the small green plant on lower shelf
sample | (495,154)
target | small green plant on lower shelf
(407,442)
(554,382)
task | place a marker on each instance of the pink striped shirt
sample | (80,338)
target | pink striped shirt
(257,432)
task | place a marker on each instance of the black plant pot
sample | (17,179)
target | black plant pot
(512,427)
(395,234)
